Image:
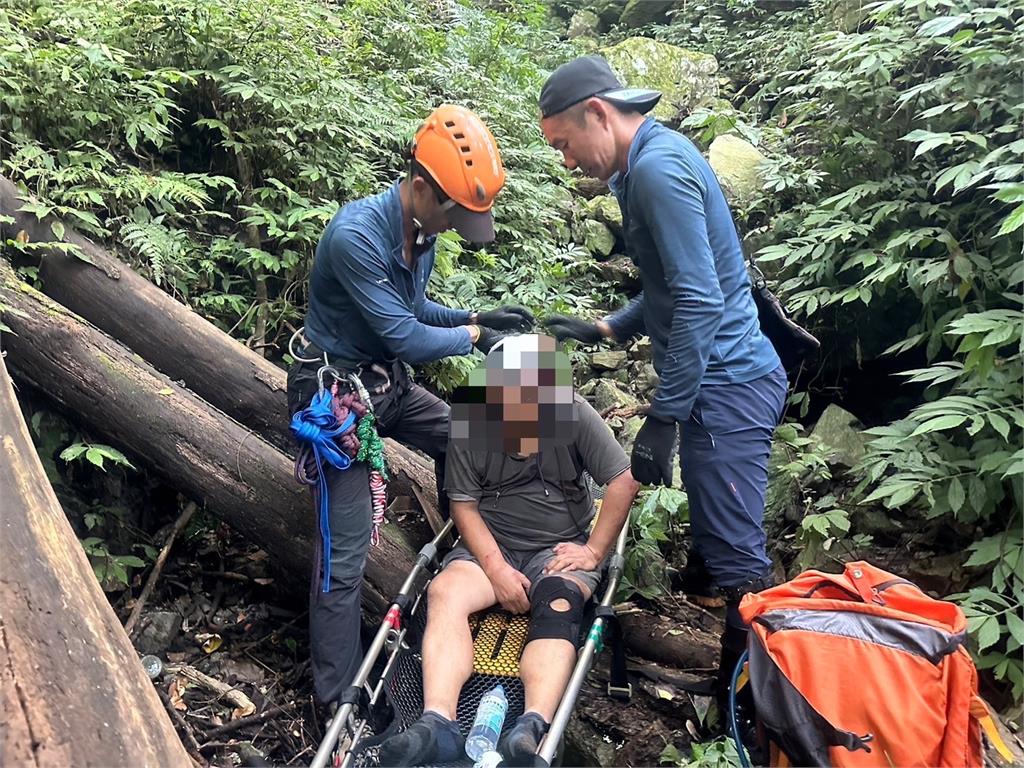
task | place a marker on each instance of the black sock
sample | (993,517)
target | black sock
(521,743)
(431,739)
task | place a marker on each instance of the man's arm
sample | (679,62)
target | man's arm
(671,198)
(438,315)
(618,498)
(625,323)
(356,266)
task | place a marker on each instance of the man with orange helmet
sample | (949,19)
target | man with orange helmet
(369,315)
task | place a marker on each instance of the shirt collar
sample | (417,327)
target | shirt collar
(618,180)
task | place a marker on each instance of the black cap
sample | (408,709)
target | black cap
(589,76)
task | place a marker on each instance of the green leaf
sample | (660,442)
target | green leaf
(955,495)
(1000,425)
(988,633)
(985,551)
(1013,222)
(942,25)
(72,452)
(1015,626)
(58,229)
(948,421)
(94,456)
(130,561)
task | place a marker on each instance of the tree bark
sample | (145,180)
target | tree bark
(178,342)
(195,447)
(72,691)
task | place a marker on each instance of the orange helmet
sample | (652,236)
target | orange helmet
(460,154)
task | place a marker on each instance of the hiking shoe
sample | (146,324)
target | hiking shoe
(430,740)
(520,744)
(695,582)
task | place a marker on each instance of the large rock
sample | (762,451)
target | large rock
(844,442)
(640,13)
(623,272)
(627,435)
(584,24)
(608,394)
(605,208)
(597,238)
(608,359)
(157,631)
(848,15)
(687,79)
(737,164)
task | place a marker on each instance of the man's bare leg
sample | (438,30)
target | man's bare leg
(459,590)
(545,668)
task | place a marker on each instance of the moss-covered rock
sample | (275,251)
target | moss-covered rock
(838,431)
(640,13)
(608,359)
(584,24)
(737,164)
(597,238)
(687,79)
(605,208)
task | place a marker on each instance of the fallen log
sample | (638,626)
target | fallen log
(195,447)
(72,691)
(177,341)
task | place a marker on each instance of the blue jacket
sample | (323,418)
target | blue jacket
(696,303)
(365,303)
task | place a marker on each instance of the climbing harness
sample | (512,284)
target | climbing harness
(336,429)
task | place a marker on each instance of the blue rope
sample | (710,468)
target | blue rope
(317,427)
(733,724)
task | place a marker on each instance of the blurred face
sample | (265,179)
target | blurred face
(583,134)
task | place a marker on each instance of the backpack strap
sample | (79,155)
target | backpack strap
(981,713)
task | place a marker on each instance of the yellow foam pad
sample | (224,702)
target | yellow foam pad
(498,640)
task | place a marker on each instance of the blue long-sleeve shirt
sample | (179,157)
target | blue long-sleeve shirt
(365,303)
(696,303)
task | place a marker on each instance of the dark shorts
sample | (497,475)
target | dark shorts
(531,564)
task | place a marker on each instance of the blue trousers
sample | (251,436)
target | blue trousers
(723,451)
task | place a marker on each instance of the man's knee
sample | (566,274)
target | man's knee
(447,590)
(556,610)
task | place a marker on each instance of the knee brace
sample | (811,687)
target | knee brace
(547,622)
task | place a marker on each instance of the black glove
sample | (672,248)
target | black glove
(651,461)
(487,339)
(507,318)
(563,327)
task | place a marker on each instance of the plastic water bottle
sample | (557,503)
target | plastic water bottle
(490,716)
(490,759)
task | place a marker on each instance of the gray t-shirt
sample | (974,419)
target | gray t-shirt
(537,501)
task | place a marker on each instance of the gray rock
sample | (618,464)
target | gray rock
(597,238)
(608,394)
(608,359)
(642,349)
(648,380)
(737,163)
(584,24)
(627,435)
(848,15)
(640,13)
(157,631)
(837,433)
(622,271)
(687,79)
(587,389)
(605,208)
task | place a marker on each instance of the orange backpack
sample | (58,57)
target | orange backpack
(863,669)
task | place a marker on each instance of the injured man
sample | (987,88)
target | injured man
(520,442)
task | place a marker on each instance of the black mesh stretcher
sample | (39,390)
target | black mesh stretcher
(387,694)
